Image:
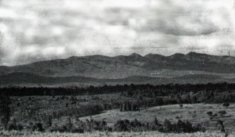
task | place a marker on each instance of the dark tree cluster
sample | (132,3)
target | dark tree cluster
(90,125)
(166,126)
(129,106)
(129,90)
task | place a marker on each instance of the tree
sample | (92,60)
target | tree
(122,125)
(220,125)
(167,126)
(4,110)
(49,121)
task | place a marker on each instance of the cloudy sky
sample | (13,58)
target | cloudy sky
(32,30)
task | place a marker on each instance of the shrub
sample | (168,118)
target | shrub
(180,127)
(38,127)
(122,125)
(226,105)
(222,112)
(209,113)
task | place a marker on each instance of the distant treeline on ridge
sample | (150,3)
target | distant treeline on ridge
(165,89)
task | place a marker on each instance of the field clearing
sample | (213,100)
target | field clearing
(109,134)
(195,113)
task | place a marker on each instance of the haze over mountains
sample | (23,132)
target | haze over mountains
(151,68)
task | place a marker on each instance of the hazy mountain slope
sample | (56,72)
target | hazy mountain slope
(92,66)
(194,61)
(119,67)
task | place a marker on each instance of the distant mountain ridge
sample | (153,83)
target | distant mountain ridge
(124,67)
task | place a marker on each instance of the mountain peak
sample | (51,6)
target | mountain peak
(135,55)
(151,55)
(196,54)
(177,56)
(73,57)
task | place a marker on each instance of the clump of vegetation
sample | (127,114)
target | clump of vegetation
(166,126)
(226,105)
(129,106)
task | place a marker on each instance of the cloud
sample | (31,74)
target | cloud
(33,30)
(186,18)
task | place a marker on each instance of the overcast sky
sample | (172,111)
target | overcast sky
(33,30)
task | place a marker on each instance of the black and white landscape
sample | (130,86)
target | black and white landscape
(117,68)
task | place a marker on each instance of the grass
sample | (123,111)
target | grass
(195,113)
(26,110)
(108,134)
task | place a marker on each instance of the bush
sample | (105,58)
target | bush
(209,113)
(122,125)
(180,127)
(226,105)
(38,127)
(222,112)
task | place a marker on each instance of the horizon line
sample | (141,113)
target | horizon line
(133,53)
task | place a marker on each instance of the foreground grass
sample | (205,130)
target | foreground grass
(109,134)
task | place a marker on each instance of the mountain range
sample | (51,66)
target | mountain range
(97,69)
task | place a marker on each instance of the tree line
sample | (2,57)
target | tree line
(164,89)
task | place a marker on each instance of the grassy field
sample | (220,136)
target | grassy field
(108,134)
(30,109)
(195,113)
(140,108)
(26,109)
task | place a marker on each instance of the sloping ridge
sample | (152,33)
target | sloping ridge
(121,67)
